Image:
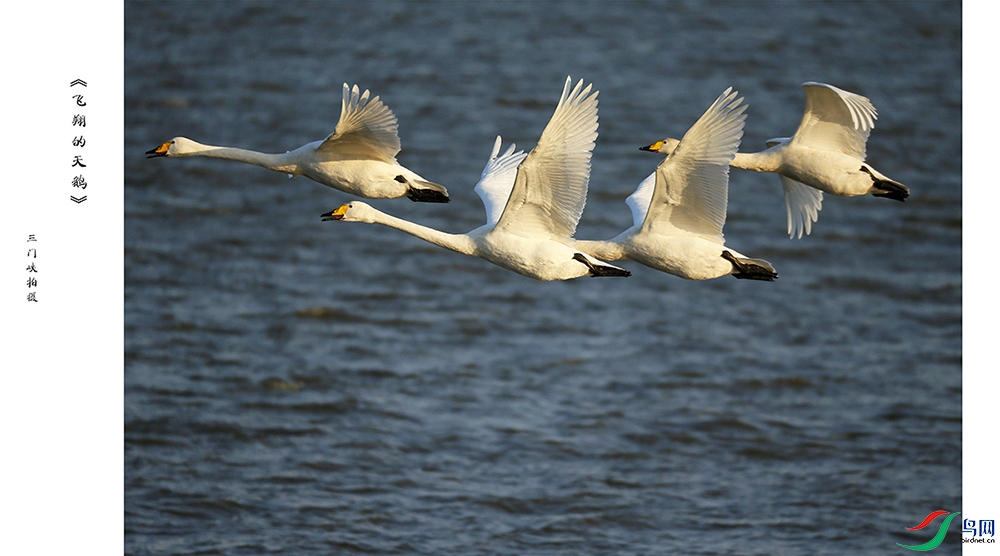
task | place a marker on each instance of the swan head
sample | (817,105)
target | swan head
(178,146)
(665,146)
(351,212)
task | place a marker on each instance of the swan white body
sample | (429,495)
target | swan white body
(678,211)
(359,157)
(533,202)
(826,154)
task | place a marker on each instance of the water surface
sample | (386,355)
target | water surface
(304,387)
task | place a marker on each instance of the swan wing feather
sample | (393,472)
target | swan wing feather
(497,180)
(692,184)
(550,189)
(802,203)
(835,120)
(638,201)
(367,129)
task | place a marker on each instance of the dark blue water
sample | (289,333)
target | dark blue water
(304,387)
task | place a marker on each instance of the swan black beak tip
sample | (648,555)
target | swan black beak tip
(337,214)
(159,151)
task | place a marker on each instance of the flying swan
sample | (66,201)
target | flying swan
(533,202)
(678,211)
(827,153)
(359,157)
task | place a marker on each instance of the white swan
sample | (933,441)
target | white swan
(359,157)
(827,153)
(678,211)
(533,202)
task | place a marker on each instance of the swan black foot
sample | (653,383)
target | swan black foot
(751,269)
(426,195)
(599,270)
(892,190)
(426,192)
(887,188)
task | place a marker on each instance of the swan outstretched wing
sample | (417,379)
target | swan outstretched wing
(498,179)
(802,203)
(550,190)
(692,184)
(367,129)
(638,201)
(835,120)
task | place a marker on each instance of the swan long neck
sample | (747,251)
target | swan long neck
(764,161)
(460,243)
(606,250)
(276,162)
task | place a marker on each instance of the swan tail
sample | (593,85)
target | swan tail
(746,268)
(885,187)
(422,191)
(599,269)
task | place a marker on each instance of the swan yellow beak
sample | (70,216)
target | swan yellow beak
(159,151)
(335,214)
(652,148)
